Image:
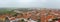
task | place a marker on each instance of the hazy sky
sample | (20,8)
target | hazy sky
(30,3)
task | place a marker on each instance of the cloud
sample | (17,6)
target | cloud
(30,3)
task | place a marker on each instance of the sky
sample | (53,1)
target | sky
(30,3)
